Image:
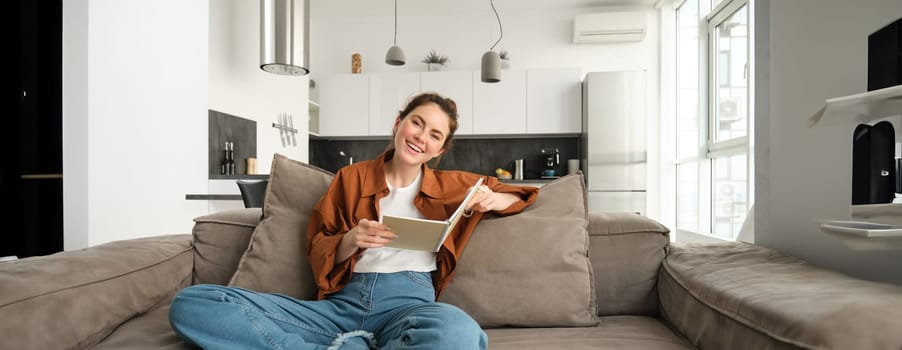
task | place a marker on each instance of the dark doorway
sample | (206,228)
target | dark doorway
(31,172)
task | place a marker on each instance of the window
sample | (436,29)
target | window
(714,184)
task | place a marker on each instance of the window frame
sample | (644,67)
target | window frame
(709,149)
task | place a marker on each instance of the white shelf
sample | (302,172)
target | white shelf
(859,108)
(859,235)
(862,228)
(862,235)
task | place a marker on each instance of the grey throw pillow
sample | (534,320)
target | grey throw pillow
(530,269)
(276,257)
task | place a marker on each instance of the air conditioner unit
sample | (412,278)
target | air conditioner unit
(608,27)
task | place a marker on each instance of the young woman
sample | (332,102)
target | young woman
(370,295)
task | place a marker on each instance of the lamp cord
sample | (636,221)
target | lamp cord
(396,23)
(500,28)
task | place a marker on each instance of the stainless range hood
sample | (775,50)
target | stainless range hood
(284,28)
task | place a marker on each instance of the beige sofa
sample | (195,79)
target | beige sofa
(550,277)
(649,295)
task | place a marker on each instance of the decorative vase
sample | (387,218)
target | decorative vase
(434,67)
(505,63)
(356,63)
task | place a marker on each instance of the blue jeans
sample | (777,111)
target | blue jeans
(375,310)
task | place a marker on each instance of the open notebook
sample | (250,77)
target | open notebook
(423,234)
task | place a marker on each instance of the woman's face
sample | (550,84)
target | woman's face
(420,136)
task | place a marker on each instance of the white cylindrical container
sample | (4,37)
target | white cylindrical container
(572,166)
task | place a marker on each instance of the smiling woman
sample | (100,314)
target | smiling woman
(349,254)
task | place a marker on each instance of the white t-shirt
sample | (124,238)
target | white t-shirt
(399,202)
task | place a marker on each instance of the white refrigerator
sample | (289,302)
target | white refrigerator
(614,153)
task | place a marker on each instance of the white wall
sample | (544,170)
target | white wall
(239,87)
(808,51)
(75,124)
(536,38)
(134,116)
(136,77)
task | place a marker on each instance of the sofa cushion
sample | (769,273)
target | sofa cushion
(737,295)
(626,250)
(530,269)
(72,300)
(612,332)
(220,239)
(276,258)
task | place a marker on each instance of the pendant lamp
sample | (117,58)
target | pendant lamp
(395,56)
(491,60)
(284,26)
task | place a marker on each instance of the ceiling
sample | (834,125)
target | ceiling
(357,8)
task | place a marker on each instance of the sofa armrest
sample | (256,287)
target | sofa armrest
(219,241)
(626,251)
(737,295)
(72,300)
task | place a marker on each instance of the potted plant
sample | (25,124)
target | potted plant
(434,61)
(505,58)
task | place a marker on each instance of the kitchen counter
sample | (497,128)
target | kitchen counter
(529,181)
(212,197)
(239,177)
(231,197)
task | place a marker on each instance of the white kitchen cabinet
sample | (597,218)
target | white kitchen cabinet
(389,93)
(544,101)
(459,87)
(553,101)
(500,108)
(344,105)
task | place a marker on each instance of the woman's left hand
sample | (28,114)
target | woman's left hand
(487,200)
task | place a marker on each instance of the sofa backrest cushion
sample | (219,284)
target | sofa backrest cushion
(530,269)
(220,239)
(737,295)
(626,251)
(276,258)
(75,299)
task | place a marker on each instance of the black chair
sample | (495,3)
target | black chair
(253,192)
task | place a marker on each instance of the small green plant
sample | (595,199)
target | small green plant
(435,58)
(504,54)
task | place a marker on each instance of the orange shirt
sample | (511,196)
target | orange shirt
(354,195)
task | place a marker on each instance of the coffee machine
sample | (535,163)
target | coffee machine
(551,159)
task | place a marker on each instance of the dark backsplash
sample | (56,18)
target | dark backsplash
(481,156)
(226,127)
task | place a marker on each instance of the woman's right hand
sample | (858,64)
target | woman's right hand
(367,234)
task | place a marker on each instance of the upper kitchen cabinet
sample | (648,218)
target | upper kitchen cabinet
(389,94)
(500,108)
(344,105)
(553,101)
(459,87)
(543,101)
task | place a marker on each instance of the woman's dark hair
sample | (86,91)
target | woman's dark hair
(446,104)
